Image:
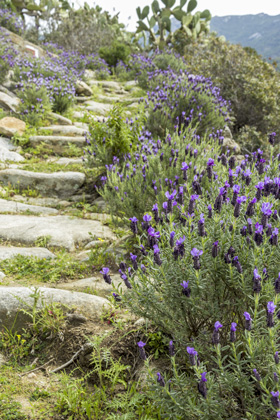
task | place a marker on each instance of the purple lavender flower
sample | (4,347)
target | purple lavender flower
(236,263)
(215,249)
(147,218)
(277,285)
(134,262)
(275,377)
(271,138)
(209,211)
(126,281)
(142,353)
(160,379)
(259,187)
(184,168)
(251,208)
(133,225)
(258,237)
(155,211)
(201,226)
(274,237)
(192,355)
(275,399)
(237,207)
(270,311)
(192,202)
(248,321)
(171,349)
(157,259)
(186,290)
(202,385)
(276,358)
(256,282)
(171,239)
(196,253)
(233,332)
(210,165)
(257,375)
(216,334)
(106,276)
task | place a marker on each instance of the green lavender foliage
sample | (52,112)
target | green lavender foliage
(233,391)
(113,138)
(34,104)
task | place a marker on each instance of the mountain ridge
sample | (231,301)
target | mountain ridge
(259,31)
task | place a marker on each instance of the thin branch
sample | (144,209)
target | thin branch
(37,368)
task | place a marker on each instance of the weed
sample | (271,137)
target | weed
(43,241)
(10,410)
(32,269)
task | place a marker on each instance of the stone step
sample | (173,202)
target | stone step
(64,130)
(58,144)
(12,299)
(8,252)
(61,231)
(6,143)
(7,155)
(57,184)
(95,284)
(98,107)
(52,116)
(7,206)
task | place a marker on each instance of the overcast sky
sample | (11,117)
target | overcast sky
(217,7)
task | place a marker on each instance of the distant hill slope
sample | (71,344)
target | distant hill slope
(260,31)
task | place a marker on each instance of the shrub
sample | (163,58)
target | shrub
(7,54)
(112,141)
(114,53)
(208,269)
(130,187)
(86,30)
(245,79)
(11,21)
(35,104)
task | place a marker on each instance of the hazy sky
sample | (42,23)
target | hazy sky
(217,7)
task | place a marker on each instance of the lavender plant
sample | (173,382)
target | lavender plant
(209,279)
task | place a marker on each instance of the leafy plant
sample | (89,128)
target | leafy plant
(114,53)
(191,25)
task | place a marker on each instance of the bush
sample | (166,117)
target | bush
(7,55)
(35,104)
(190,105)
(114,53)
(11,21)
(111,141)
(86,30)
(207,271)
(245,79)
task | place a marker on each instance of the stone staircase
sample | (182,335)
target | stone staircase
(24,220)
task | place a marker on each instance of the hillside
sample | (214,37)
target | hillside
(260,31)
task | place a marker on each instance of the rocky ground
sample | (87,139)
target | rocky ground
(55,236)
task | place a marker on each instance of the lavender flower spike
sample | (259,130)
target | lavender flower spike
(202,385)
(270,310)
(141,346)
(233,332)
(106,276)
(192,353)
(248,321)
(216,334)
(275,399)
(160,379)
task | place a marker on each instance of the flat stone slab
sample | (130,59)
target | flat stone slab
(69,161)
(57,143)
(64,130)
(98,107)
(57,184)
(62,231)
(9,103)
(7,144)
(7,206)
(12,299)
(95,284)
(8,252)
(7,155)
(109,84)
(59,118)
